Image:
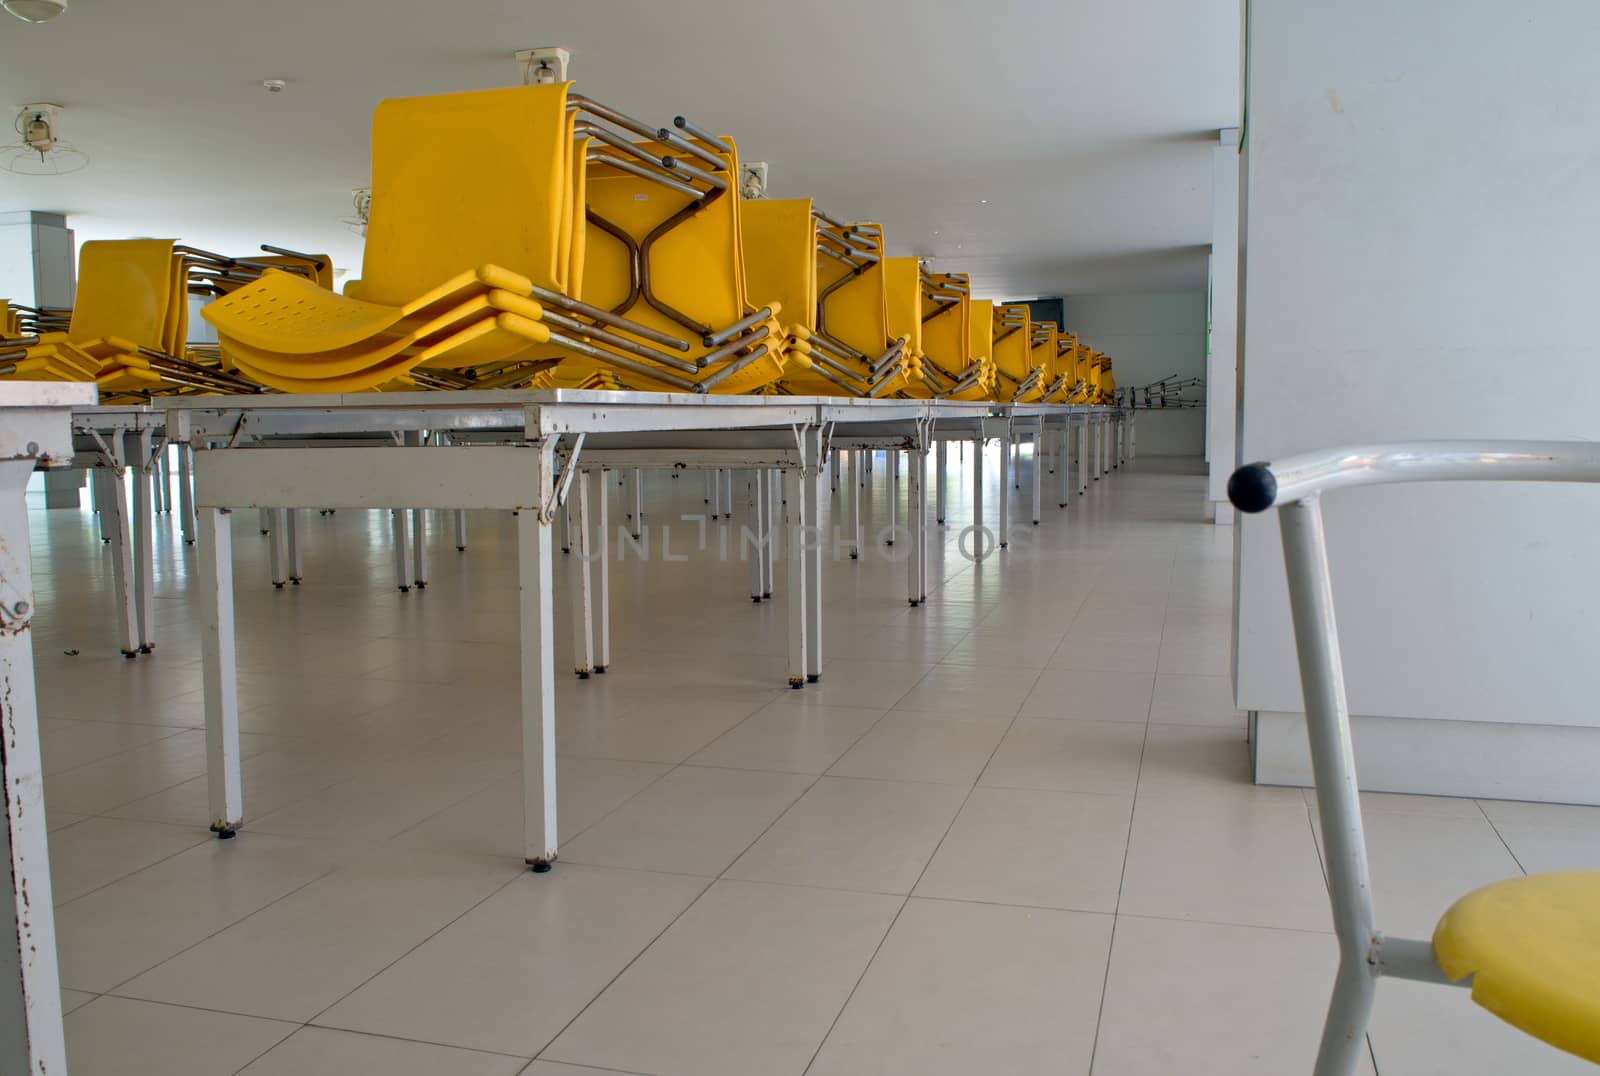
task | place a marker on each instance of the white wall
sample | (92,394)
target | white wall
(1148,337)
(1421,225)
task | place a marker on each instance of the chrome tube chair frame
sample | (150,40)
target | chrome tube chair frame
(1294,487)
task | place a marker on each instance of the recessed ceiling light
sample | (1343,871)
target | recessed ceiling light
(983,201)
(273,85)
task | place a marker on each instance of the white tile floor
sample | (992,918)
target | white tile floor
(1009,832)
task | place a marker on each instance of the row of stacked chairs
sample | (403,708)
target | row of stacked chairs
(533,238)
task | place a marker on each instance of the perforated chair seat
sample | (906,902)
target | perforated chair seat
(1532,946)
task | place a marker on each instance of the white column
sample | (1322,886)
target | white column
(537,641)
(1222,353)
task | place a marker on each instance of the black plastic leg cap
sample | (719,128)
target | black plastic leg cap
(1253,487)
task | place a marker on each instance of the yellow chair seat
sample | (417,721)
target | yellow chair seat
(287,314)
(1532,946)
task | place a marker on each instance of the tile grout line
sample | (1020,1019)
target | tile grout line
(906,900)
(1116,915)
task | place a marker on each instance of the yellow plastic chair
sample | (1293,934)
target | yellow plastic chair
(1019,379)
(664,248)
(980,345)
(948,365)
(1528,947)
(852,340)
(1042,355)
(902,290)
(446,228)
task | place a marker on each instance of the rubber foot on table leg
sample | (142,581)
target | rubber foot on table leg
(277,586)
(1005,545)
(461,549)
(539,866)
(1036,523)
(600,670)
(913,601)
(755,598)
(145,648)
(889,542)
(405,590)
(766,594)
(581,674)
(130,654)
(188,541)
(565,550)
(1063,504)
(295,579)
(422,584)
(224,833)
(796,685)
(812,678)
(855,556)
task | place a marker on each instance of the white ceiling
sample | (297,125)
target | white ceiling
(1084,123)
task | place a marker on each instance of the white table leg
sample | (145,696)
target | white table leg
(1064,460)
(219,669)
(537,639)
(794,551)
(638,502)
(31,1037)
(916,462)
(144,557)
(1038,469)
(116,524)
(461,530)
(758,557)
(402,549)
(291,532)
(419,547)
(941,457)
(1005,485)
(977,499)
(186,491)
(812,546)
(774,482)
(583,581)
(1016,463)
(278,548)
(603,555)
(1083,458)
(894,491)
(859,487)
(100,482)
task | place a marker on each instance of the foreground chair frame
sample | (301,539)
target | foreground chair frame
(1295,486)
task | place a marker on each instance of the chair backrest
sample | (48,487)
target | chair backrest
(780,257)
(124,290)
(857,311)
(468,179)
(696,266)
(902,289)
(1012,349)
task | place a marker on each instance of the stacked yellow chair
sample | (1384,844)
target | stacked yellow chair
(1042,354)
(780,264)
(478,264)
(980,348)
(1018,379)
(851,345)
(902,289)
(954,367)
(127,328)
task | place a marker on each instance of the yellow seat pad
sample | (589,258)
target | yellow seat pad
(289,315)
(1532,946)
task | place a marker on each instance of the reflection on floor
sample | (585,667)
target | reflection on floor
(1009,832)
